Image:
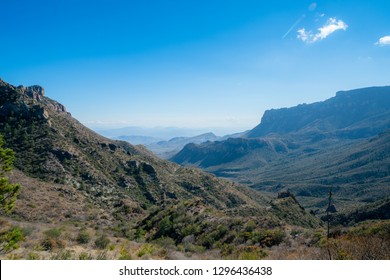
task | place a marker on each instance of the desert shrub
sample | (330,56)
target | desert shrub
(102,242)
(206,240)
(268,238)
(52,240)
(8,191)
(124,230)
(146,249)
(139,234)
(53,233)
(214,237)
(10,239)
(242,252)
(165,242)
(102,255)
(251,253)
(14,257)
(49,244)
(165,227)
(250,226)
(63,255)
(191,229)
(193,248)
(124,254)
(85,256)
(83,237)
(33,256)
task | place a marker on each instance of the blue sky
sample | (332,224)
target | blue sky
(192,63)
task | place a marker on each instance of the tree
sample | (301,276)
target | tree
(8,191)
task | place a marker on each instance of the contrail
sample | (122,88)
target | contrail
(293,26)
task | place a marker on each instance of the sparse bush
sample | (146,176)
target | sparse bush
(8,191)
(165,242)
(146,249)
(165,227)
(102,242)
(52,240)
(33,256)
(83,237)
(102,256)
(250,226)
(139,234)
(63,255)
(53,233)
(49,244)
(124,254)
(268,238)
(14,257)
(10,239)
(85,256)
(251,253)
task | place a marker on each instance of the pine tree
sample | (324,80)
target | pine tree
(8,191)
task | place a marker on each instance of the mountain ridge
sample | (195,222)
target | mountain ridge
(308,148)
(339,112)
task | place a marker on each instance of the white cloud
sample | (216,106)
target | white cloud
(384,41)
(331,26)
(304,35)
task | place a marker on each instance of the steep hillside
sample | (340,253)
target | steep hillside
(53,146)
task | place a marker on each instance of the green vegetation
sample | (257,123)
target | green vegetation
(11,238)
(365,241)
(8,191)
(102,242)
(146,250)
(191,226)
(52,240)
(83,237)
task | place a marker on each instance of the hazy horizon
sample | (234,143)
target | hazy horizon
(164,133)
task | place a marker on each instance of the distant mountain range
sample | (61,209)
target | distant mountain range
(343,142)
(167,148)
(160,133)
(138,139)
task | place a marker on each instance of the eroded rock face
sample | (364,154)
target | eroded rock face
(57,107)
(34,92)
(37,93)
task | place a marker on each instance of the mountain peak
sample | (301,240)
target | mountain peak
(35,92)
(25,98)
